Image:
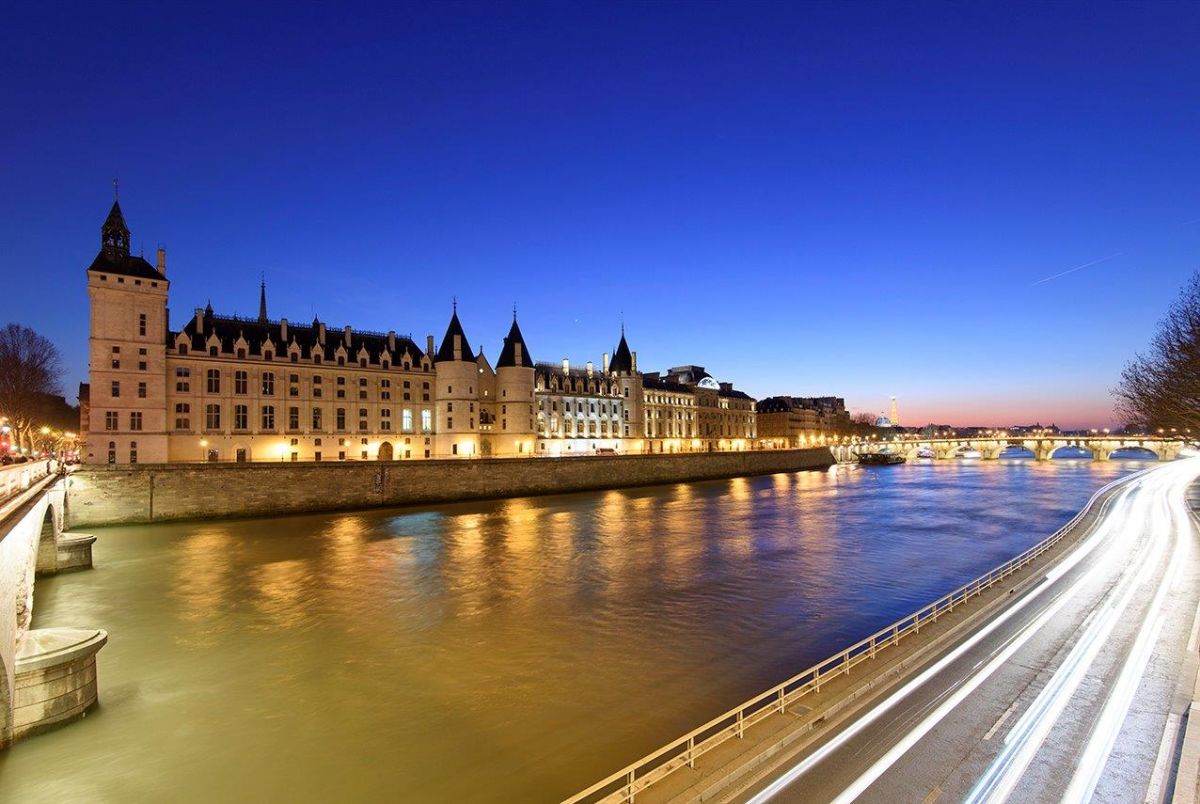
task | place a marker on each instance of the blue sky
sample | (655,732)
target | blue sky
(852,198)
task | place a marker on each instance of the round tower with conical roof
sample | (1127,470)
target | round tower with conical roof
(623,367)
(515,427)
(457,376)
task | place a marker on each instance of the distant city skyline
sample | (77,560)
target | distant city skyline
(979,211)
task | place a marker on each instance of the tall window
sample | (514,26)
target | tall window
(293,418)
(110,420)
(212,417)
(214,381)
(141,390)
(141,327)
(341,418)
(426,421)
(268,383)
(133,451)
(116,389)
(241,417)
(135,420)
(182,382)
(406,420)
(316,418)
(240,381)
(112,451)
(268,417)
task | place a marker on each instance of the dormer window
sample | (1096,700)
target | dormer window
(183,348)
(241,353)
(341,360)
(212,351)
(317,359)
(268,355)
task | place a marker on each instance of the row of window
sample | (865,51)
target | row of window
(112,420)
(241,384)
(116,353)
(241,418)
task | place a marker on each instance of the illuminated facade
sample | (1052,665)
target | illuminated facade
(230,388)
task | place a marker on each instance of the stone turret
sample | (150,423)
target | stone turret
(457,410)
(515,430)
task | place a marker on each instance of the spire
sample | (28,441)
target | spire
(262,299)
(622,359)
(114,234)
(454,342)
(514,352)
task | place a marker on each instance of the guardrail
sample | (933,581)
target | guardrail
(626,783)
(17,477)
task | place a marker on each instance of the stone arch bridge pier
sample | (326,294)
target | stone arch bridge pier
(47,676)
(1043,448)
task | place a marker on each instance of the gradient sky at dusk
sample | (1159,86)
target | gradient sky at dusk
(848,199)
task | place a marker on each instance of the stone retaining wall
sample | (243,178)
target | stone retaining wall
(110,495)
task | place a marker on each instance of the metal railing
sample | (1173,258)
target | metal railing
(17,477)
(624,785)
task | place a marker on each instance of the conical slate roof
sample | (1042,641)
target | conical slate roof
(622,359)
(115,222)
(447,350)
(509,353)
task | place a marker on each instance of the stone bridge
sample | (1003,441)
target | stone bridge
(47,676)
(1043,447)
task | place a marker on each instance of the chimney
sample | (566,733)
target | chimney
(429,345)
(347,335)
(200,320)
(162,260)
(391,340)
(320,333)
(634,366)
(518,356)
(566,366)
(604,362)
(589,368)
(283,332)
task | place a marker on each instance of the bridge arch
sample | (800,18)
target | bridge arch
(1017,452)
(1069,452)
(1134,452)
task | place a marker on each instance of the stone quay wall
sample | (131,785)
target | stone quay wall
(112,495)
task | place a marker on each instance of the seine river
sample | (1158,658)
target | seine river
(515,650)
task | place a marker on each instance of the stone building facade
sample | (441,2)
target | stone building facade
(230,388)
(791,421)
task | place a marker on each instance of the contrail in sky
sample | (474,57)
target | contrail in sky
(1076,268)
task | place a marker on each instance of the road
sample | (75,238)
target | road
(1069,693)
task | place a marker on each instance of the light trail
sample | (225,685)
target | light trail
(1028,735)
(1145,510)
(1104,734)
(798,770)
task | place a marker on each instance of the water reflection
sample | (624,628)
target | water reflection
(514,650)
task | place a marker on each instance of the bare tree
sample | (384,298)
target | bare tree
(30,368)
(1161,388)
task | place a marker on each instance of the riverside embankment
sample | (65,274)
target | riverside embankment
(113,495)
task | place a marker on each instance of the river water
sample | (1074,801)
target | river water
(515,650)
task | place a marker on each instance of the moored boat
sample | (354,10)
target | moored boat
(880,459)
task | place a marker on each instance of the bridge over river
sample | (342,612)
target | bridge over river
(47,676)
(1043,447)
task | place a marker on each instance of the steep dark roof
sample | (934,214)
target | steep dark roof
(733,394)
(447,351)
(256,332)
(115,220)
(509,351)
(622,359)
(108,262)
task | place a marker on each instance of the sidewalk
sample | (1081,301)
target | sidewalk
(1187,777)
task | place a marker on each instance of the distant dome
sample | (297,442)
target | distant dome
(883,421)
